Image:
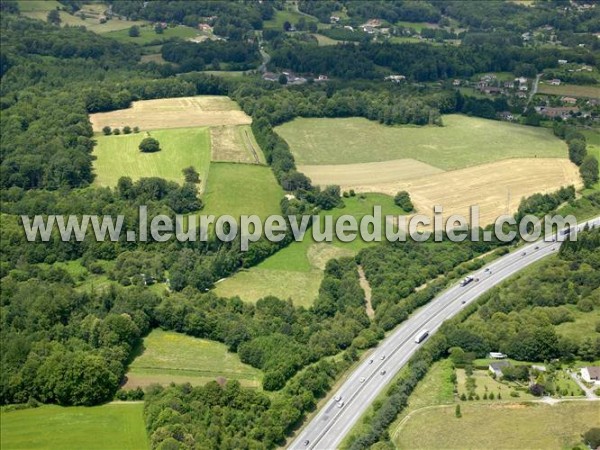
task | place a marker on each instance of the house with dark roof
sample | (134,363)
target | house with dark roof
(591,374)
(497,366)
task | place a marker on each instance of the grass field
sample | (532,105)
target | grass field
(235,143)
(462,142)
(237,189)
(572,90)
(499,425)
(180,148)
(38,9)
(296,271)
(283,16)
(324,40)
(148,35)
(115,426)
(173,357)
(179,112)
(584,325)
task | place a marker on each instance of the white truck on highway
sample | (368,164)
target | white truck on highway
(421,336)
(466,281)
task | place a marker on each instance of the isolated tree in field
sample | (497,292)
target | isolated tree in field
(283,79)
(577,151)
(589,171)
(149,145)
(402,199)
(191,175)
(126,130)
(134,31)
(107,130)
(53,17)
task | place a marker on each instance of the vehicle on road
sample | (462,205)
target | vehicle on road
(382,372)
(370,361)
(382,357)
(421,336)
(337,398)
(524,253)
(362,379)
(463,302)
(306,442)
(340,404)
(466,281)
(487,269)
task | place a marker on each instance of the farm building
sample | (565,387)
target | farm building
(591,374)
(497,355)
(496,367)
(555,82)
(569,100)
(564,112)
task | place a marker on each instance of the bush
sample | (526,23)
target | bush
(592,437)
(126,130)
(134,31)
(149,145)
(116,131)
(402,199)
(107,130)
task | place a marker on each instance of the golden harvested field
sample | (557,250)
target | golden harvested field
(181,112)
(486,185)
(235,143)
(365,173)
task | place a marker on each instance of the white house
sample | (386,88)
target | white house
(497,355)
(555,82)
(591,374)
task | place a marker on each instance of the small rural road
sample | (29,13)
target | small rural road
(589,393)
(331,424)
(366,287)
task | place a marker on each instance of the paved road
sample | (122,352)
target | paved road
(330,426)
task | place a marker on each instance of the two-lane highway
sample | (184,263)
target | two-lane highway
(329,427)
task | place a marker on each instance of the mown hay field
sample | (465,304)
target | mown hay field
(168,357)
(178,112)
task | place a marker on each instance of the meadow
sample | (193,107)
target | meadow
(38,9)
(462,142)
(114,426)
(167,357)
(494,425)
(572,90)
(237,189)
(119,156)
(297,270)
(178,112)
(148,35)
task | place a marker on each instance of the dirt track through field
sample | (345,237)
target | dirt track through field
(497,187)
(178,112)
